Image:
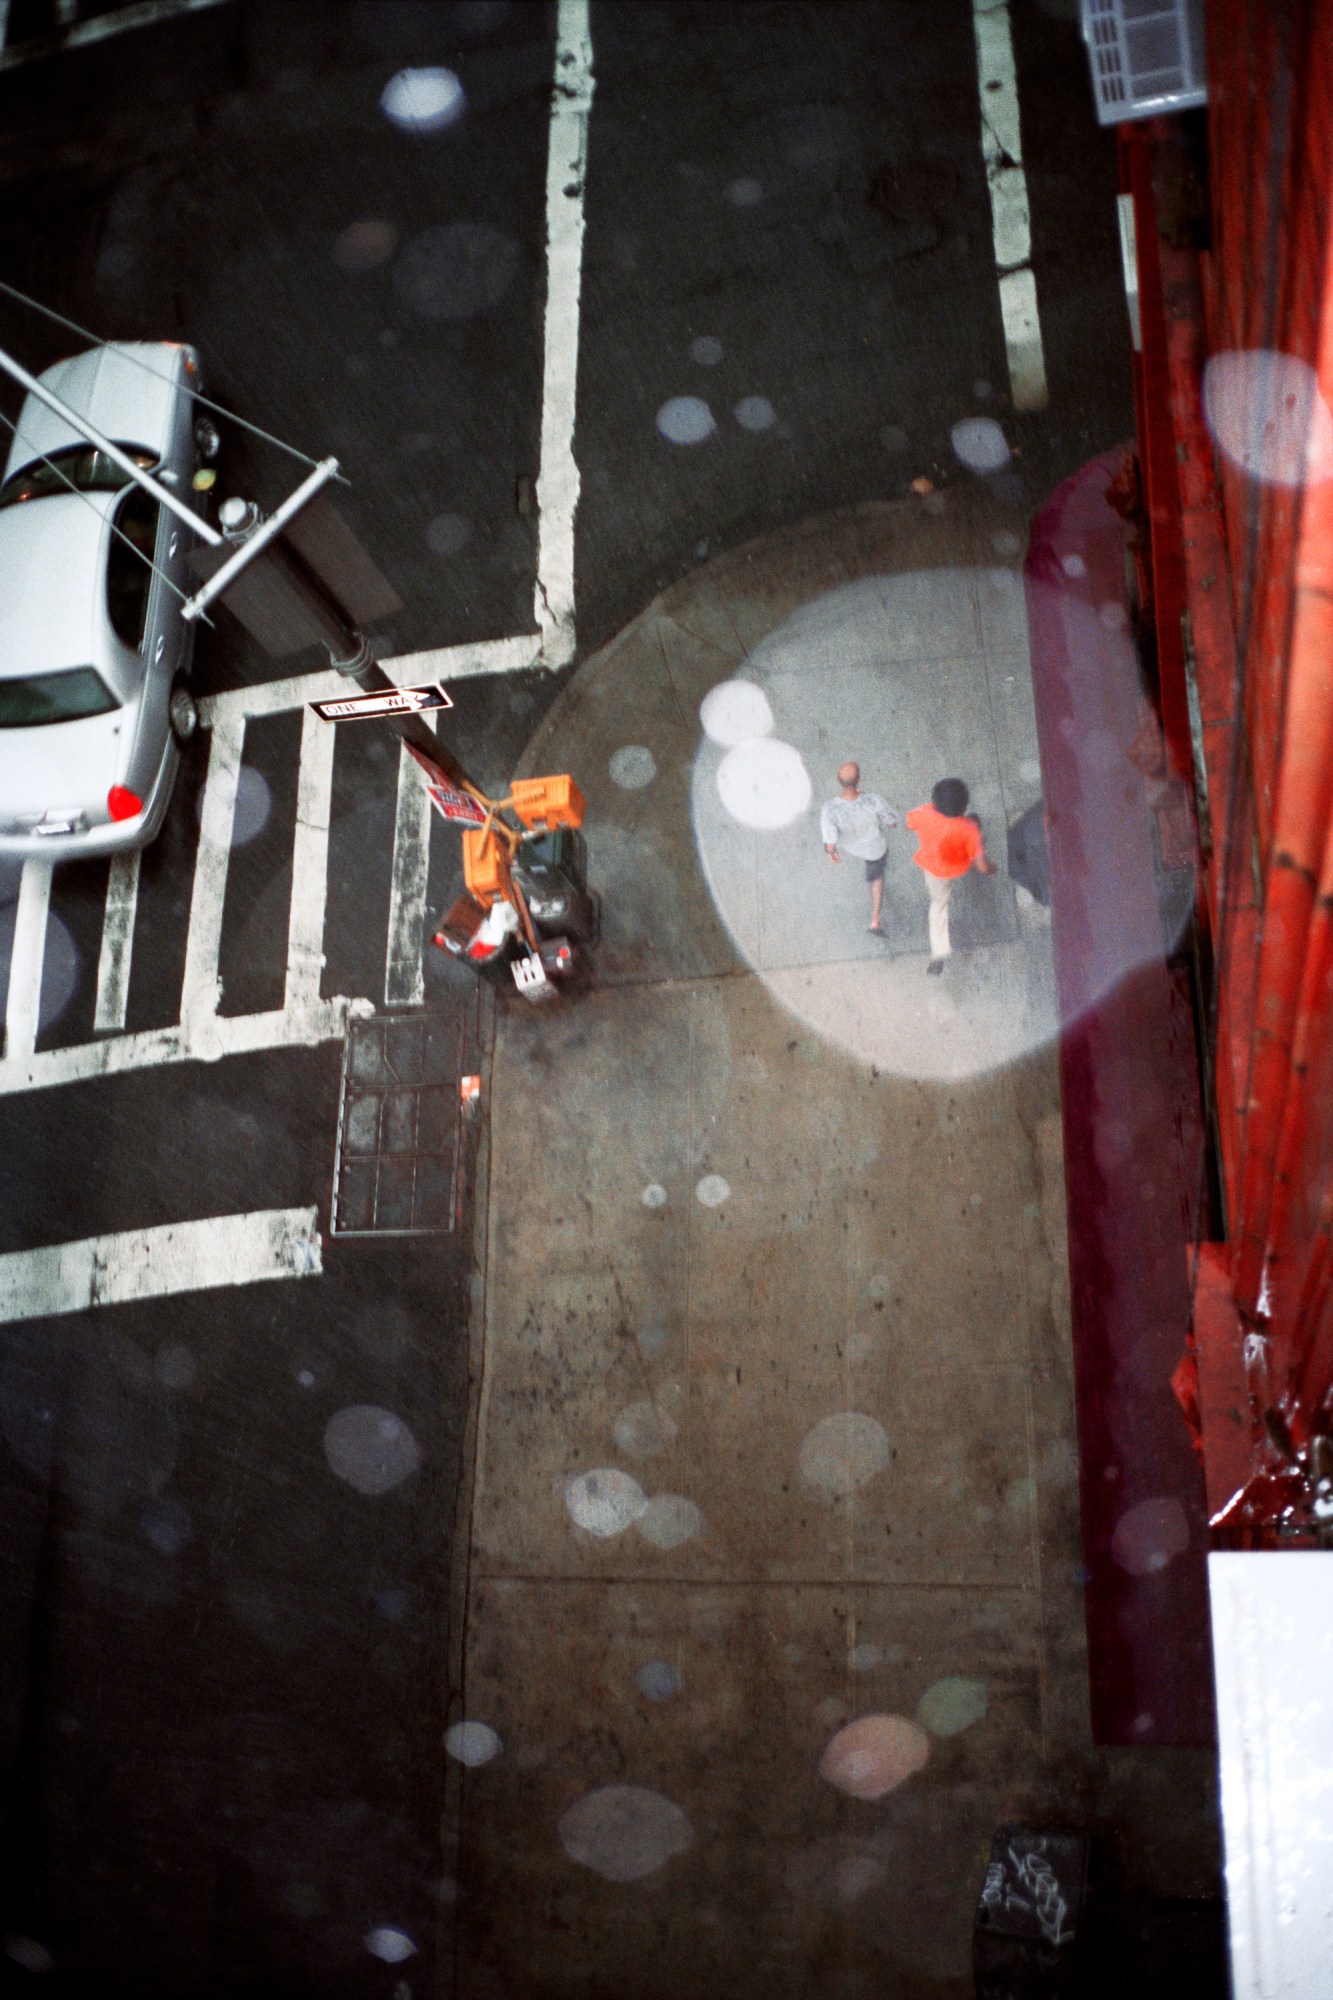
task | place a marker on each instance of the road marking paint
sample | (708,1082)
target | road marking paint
(440,663)
(1129,258)
(404,982)
(310,861)
(558,477)
(202,1035)
(199,988)
(155,1263)
(24,999)
(206,1039)
(1002,150)
(146,14)
(113,966)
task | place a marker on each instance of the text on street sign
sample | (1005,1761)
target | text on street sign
(456,805)
(387,701)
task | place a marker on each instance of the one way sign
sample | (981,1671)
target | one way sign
(389,701)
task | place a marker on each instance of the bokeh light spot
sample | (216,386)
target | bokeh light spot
(371,1448)
(951,1705)
(604,1502)
(764,784)
(843,1452)
(472,1743)
(423,100)
(874,1755)
(734,712)
(685,420)
(624,1832)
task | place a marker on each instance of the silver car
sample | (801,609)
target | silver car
(94,653)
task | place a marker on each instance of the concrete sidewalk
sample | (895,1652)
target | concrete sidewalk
(774,1425)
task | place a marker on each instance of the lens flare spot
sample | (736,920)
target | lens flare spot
(624,1832)
(423,100)
(764,784)
(874,1755)
(843,1452)
(472,1743)
(686,420)
(735,712)
(1269,416)
(980,444)
(605,1502)
(951,1705)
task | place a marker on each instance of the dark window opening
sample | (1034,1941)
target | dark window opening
(33,699)
(129,574)
(79,466)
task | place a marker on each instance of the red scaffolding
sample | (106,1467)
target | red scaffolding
(1235,270)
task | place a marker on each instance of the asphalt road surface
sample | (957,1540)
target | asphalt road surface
(224,1672)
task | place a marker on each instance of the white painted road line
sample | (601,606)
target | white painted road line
(113,966)
(440,663)
(1002,150)
(404,983)
(24,999)
(146,14)
(206,1039)
(155,1263)
(199,988)
(310,862)
(558,478)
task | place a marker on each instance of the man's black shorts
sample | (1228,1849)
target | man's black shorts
(875,869)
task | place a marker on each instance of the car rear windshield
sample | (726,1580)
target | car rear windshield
(79,466)
(27,702)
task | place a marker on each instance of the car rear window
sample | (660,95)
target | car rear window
(32,699)
(80,466)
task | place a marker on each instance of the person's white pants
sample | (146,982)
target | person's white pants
(941,888)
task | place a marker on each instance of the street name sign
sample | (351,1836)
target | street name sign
(387,701)
(455,805)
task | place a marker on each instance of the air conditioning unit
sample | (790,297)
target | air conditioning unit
(1146,56)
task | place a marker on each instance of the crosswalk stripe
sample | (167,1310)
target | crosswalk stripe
(558,475)
(202,1032)
(23,1001)
(199,987)
(310,862)
(155,1263)
(1002,152)
(404,985)
(113,966)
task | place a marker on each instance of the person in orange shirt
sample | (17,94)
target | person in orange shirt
(950,843)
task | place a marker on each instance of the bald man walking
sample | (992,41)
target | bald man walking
(857,823)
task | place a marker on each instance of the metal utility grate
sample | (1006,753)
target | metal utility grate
(1146,56)
(403,1122)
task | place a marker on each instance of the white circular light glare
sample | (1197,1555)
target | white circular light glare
(764,784)
(387,1942)
(1269,416)
(632,767)
(686,420)
(423,100)
(605,1502)
(980,443)
(755,413)
(735,712)
(472,1743)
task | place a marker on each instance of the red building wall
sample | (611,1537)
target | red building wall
(1243,566)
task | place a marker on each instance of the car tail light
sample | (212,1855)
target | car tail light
(122,803)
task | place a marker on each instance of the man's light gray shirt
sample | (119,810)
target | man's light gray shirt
(857,826)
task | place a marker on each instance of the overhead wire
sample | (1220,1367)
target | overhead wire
(205,402)
(81,494)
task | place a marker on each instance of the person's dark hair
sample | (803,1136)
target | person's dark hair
(950,797)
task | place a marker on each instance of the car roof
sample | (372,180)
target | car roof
(128,390)
(52,600)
